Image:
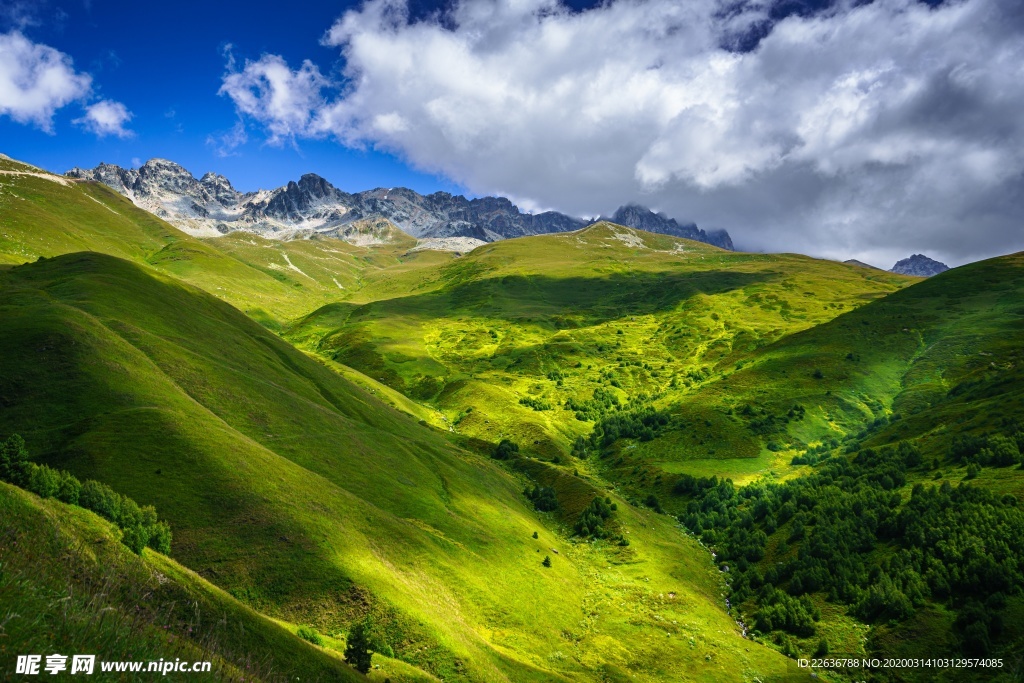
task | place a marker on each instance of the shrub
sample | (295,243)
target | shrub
(543,498)
(160,538)
(505,450)
(101,499)
(69,489)
(310,635)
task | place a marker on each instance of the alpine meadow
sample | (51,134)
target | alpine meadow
(599,454)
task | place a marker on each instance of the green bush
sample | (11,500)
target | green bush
(543,498)
(309,634)
(505,450)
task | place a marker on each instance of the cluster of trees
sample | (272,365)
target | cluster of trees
(543,497)
(505,450)
(139,525)
(556,376)
(591,521)
(591,410)
(763,423)
(953,544)
(535,403)
(992,451)
(812,455)
(642,423)
(782,612)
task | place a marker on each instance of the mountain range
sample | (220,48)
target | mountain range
(211,206)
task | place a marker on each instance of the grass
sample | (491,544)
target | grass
(68,585)
(542,321)
(341,473)
(270,280)
(314,502)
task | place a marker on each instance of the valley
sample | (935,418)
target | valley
(340,430)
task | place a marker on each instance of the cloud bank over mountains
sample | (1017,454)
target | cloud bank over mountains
(862,129)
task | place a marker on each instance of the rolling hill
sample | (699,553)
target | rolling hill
(833,448)
(313,502)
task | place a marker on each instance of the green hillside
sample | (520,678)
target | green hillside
(897,429)
(513,340)
(42,214)
(315,503)
(551,458)
(123,607)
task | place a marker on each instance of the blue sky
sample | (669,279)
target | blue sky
(165,62)
(836,128)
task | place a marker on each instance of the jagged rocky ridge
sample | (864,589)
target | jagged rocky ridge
(919,265)
(211,206)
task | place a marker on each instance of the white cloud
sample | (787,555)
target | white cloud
(36,80)
(106,117)
(281,99)
(869,130)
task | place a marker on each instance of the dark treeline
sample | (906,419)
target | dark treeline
(139,525)
(958,545)
(543,498)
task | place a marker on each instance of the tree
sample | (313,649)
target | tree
(357,648)
(543,498)
(505,450)
(547,561)
(535,534)
(14,461)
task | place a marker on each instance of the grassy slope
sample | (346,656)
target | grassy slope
(942,355)
(270,280)
(929,363)
(315,502)
(486,331)
(123,607)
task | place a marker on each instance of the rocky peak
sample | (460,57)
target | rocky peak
(919,265)
(315,186)
(636,216)
(158,175)
(220,188)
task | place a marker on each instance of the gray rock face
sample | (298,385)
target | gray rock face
(211,206)
(635,216)
(919,265)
